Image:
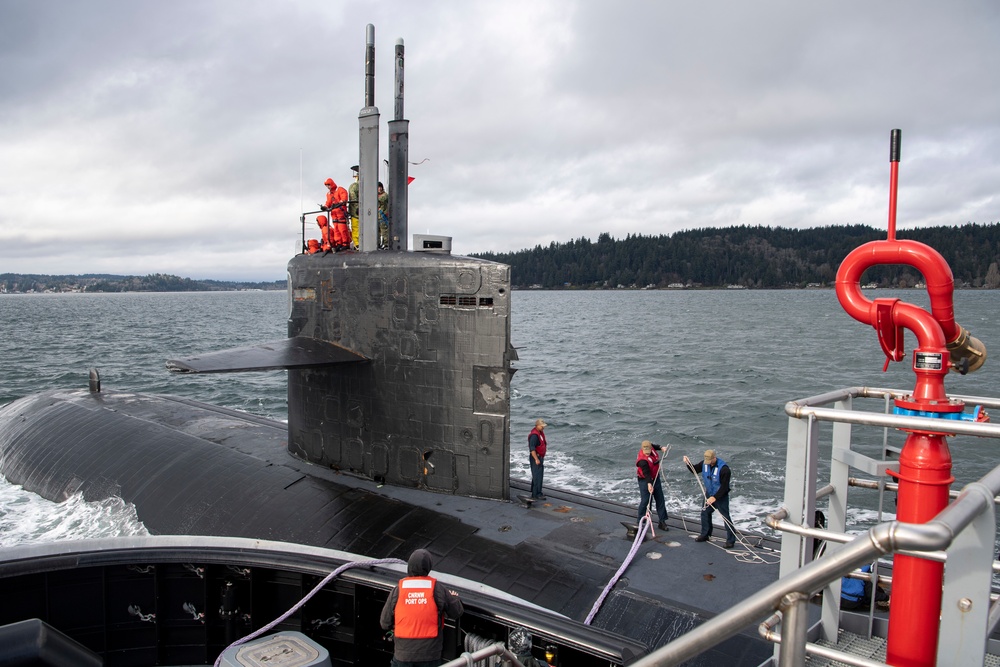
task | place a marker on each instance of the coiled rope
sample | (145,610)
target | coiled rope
(316,589)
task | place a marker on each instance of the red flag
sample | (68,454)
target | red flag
(410,179)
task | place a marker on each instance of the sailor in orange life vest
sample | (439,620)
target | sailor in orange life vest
(536,458)
(715,475)
(336,201)
(647,470)
(415,612)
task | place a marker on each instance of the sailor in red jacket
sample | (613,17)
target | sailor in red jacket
(415,612)
(536,458)
(647,470)
(336,202)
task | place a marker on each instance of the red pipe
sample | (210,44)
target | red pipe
(921,323)
(935,270)
(893,184)
(933,330)
(914,615)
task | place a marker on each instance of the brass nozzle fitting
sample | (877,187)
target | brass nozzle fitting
(967,352)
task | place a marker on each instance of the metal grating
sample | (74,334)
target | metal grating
(861,646)
(848,642)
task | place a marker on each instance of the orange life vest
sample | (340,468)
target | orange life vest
(542,445)
(653,460)
(416,612)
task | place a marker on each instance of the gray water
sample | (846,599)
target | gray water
(692,369)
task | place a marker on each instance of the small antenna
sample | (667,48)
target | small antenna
(301,200)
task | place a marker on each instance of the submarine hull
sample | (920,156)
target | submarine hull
(193,468)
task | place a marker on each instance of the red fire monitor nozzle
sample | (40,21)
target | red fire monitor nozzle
(941,342)
(924,473)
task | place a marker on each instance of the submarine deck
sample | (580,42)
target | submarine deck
(193,468)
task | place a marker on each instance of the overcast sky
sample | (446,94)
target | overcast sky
(184,137)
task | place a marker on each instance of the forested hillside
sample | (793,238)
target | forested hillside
(93,282)
(753,257)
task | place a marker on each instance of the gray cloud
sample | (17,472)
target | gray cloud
(144,137)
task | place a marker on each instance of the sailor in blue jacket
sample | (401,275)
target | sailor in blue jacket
(857,594)
(715,475)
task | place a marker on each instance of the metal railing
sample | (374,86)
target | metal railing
(302,221)
(962,534)
(322,209)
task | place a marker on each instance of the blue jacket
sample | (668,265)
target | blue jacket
(854,589)
(711,475)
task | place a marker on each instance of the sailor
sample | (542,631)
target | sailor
(536,458)
(715,475)
(324,228)
(383,217)
(336,201)
(352,207)
(415,613)
(313,246)
(857,594)
(647,470)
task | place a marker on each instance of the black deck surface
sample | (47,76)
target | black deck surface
(191,468)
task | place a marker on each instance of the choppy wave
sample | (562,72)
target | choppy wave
(28,518)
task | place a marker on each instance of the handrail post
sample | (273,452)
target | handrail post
(965,603)
(794,624)
(837,513)
(800,490)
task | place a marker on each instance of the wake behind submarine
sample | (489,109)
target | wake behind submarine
(398,437)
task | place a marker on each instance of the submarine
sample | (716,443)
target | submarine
(399,364)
